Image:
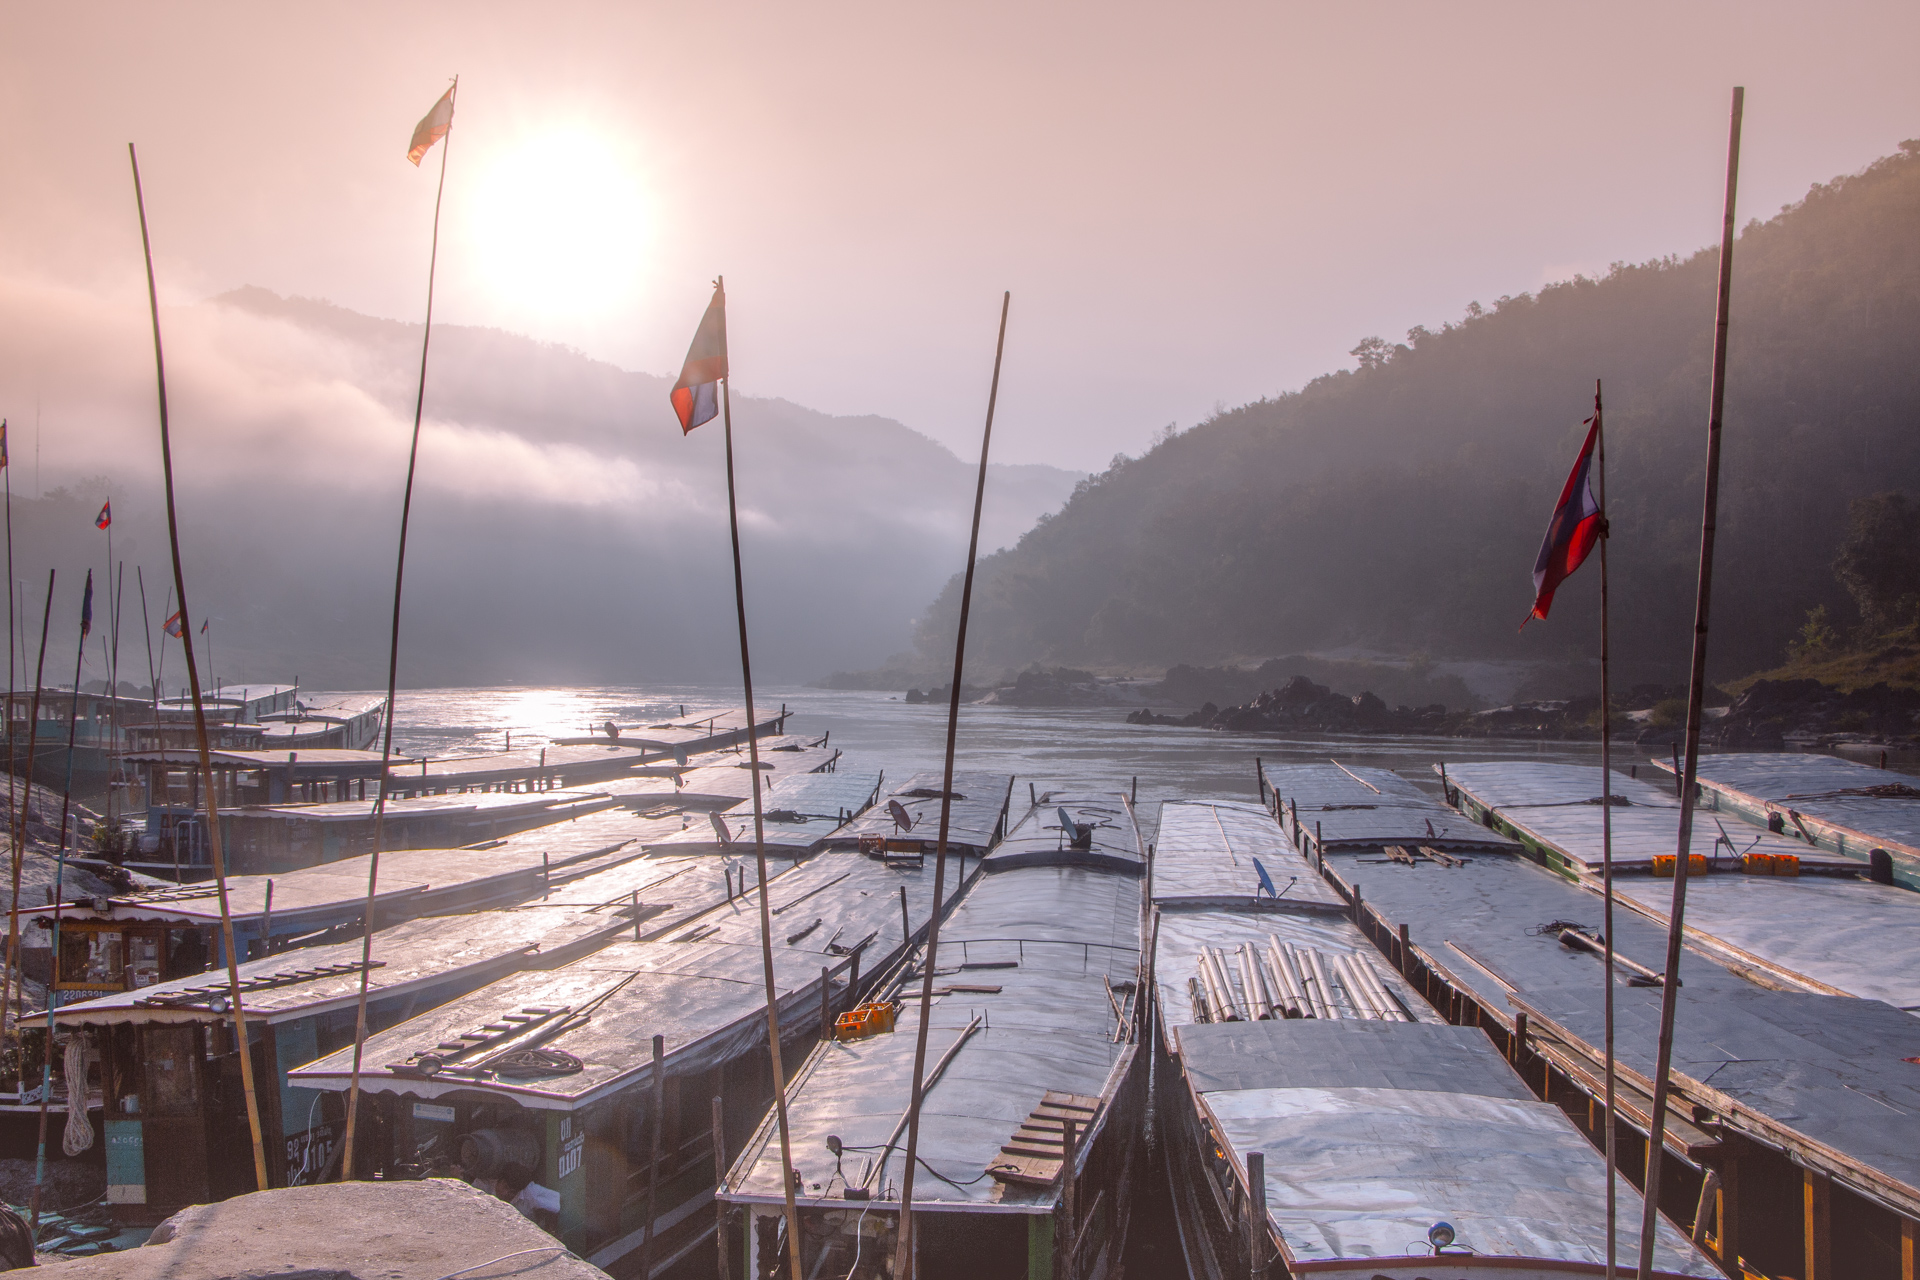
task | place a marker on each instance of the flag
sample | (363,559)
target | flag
(1576,525)
(696,397)
(105,517)
(3,444)
(175,625)
(433,126)
(86,608)
(203,625)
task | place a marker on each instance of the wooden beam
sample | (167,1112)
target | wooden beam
(1907,1234)
(1816,1229)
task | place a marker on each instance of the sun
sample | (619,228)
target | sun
(561,226)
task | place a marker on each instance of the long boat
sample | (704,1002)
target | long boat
(1033,1026)
(1316,1116)
(175,1124)
(1811,921)
(1853,809)
(549,1078)
(1789,1143)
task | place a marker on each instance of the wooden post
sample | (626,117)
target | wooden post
(1816,1225)
(1907,1250)
(720,1182)
(1726,1231)
(1406,952)
(1518,1042)
(653,1161)
(906,921)
(1696,691)
(826,1003)
(636,915)
(1256,1215)
(1319,850)
(1359,919)
(1069,1152)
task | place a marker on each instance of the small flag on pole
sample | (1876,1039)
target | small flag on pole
(1571,533)
(3,444)
(433,126)
(105,517)
(175,626)
(203,625)
(696,397)
(86,608)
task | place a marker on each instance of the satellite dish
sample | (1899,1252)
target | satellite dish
(902,820)
(1080,837)
(1266,881)
(720,828)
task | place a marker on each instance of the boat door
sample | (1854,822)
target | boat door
(174,1130)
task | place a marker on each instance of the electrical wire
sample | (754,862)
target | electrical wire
(482,1266)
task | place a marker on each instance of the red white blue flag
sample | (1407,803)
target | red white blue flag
(1576,525)
(105,517)
(696,397)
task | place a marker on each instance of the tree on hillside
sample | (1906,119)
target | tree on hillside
(1879,562)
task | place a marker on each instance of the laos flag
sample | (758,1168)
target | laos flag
(696,397)
(1576,525)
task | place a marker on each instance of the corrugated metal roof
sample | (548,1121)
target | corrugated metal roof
(701,988)
(1069,931)
(1204,851)
(1367,807)
(418,953)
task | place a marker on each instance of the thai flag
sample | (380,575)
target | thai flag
(696,397)
(1576,525)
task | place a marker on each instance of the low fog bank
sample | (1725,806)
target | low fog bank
(563,529)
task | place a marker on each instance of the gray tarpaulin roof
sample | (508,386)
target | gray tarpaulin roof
(700,987)
(1040,838)
(1849,807)
(1487,924)
(1203,855)
(1558,805)
(1068,931)
(1849,935)
(1366,1146)
(800,811)
(1364,807)
(974,820)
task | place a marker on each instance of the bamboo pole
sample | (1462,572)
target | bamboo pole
(13,687)
(760,846)
(393,672)
(1606,842)
(1696,690)
(20,822)
(214,842)
(59,894)
(904,1252)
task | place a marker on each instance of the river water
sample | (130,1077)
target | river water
(1090,747)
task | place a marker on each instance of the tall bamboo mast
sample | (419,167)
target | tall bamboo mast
(214,841)
(1696,693)
(904,1256)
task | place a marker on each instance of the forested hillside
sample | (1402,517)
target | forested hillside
(1398,507)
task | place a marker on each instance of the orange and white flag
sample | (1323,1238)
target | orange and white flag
(433,126)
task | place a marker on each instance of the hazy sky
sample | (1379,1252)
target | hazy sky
(1192,203)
